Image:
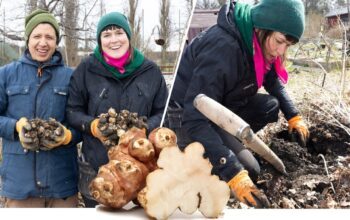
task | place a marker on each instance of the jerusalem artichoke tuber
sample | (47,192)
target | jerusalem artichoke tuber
(186,183)
(119,181)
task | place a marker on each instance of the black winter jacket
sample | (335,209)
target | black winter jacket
(93,90)
(217,64)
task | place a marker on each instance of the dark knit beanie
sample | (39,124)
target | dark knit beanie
(37,17)
(285,16)
(113,18)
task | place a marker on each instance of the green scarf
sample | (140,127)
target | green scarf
(243,18)
(130,68)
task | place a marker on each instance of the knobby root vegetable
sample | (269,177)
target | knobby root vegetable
(113,124)
(161,138)
(183,181)
(119,181)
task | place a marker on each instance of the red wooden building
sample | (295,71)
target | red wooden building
(335,15)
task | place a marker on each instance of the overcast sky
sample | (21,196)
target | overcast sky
(13,10)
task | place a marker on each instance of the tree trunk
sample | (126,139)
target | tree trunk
(70,24)
(31,6)
(134,24)
(348,6)
(165,28)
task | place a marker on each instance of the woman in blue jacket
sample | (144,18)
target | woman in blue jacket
(36,86)
(229,62)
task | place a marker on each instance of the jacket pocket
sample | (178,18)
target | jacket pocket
(19,101)
(58,103)
(17,90)
(143,101)
(95,102)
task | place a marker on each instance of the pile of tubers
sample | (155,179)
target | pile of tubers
(41,131)
(119,181)
(160,176)
(113,125)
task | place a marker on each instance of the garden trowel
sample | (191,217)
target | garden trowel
(236,126)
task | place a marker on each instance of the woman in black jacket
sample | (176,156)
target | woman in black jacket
(229,62)
(116,75)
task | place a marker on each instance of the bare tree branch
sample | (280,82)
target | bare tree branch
(31,5)
(86,16)
(11,36)
(344,58)
(53,7)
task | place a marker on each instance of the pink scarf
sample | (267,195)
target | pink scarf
(118,63)
(261,68)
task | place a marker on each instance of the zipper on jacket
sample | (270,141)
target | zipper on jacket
(39,74)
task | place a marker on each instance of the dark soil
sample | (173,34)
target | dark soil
(308,185)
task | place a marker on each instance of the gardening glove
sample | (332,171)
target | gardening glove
(28,141)
(96,132)
(297,123)
(62,136)
(245,191)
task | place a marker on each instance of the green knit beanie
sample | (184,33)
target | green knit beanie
(285,16)
(37,17)
(113,18)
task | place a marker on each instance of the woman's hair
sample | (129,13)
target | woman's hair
(262,37)
(115,27)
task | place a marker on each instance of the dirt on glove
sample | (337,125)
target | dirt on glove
(43,130)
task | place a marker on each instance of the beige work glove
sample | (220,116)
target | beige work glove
(95,131)
(63,137)
(29,140)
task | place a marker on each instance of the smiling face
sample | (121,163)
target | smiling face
(276,45)
(42,42)
(114,42)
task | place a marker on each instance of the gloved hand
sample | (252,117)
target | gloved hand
(245,191)
(63,138)
(95,131)
(297,123)
(29,141)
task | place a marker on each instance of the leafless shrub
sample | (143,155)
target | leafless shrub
(335,33)
(330,109)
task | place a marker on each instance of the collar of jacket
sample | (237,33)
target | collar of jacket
(96,67)
(243,19)
(130,68)
(226,20)
(56,60)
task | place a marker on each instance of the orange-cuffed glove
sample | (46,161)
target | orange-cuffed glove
(297,123)
(245,191)
(63,139)
(29,141)
(95,131)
